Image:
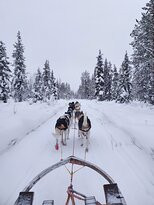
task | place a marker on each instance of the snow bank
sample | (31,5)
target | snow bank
(19,119)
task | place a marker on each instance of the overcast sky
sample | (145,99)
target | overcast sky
(69,33)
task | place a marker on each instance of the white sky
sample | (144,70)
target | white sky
(69,33)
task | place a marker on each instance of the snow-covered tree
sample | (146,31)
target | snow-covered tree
(143,56)
(5,74)
(53,85)
(124,85)
(114,86)
(46,81)
(63,90)
(92,87)
(107,80)
(30,91)
(19,83)
(37,87)
(99,77)
(84,89)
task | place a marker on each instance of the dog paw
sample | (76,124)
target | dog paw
(63,143)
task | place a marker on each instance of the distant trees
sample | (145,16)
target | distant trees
(103,79)
(46,81)
(37,87)
(44,87)
(114,84)
(107,95)
(5,74)
(84,91)
(17,85)
(64,90)
(143,55)
(134,80)
(107,83)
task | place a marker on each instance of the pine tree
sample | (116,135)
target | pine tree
(92,87)
(29,91)
(114,86)
(19,84)
(63,90)
(107,80)
(5,74)
(53,85)
(84,89)
(99,77)
(46,78)
(124,85)
(38,95)
(143,56)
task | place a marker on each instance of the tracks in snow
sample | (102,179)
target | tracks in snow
(16,141)
(113,124)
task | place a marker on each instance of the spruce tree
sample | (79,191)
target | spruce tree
(143,55)
(107,80)
(84,89)
(19,83)
(5,74)
(46,88)
(99,77)
(63,90)
(37,87)
(124,85)
(53,85)
(114,86)
(92,87)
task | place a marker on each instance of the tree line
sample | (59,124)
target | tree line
(15,84)
(134,80)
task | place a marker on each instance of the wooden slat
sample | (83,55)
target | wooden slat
(48,202)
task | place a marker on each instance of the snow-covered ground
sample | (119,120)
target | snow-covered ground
(121,143)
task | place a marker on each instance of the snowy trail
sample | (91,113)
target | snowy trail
(15,141)
(28,153)
(117,145)
(128,150)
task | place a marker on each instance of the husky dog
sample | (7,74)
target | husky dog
(71,105)
(84,125)
(77,106)
(78,114)
(61,129)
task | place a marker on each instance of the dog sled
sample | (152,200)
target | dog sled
(112,193)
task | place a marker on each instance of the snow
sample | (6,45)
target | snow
(121,143)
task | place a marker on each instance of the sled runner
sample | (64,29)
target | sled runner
(113,195)
(90,200)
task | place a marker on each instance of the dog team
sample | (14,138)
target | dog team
(62,126)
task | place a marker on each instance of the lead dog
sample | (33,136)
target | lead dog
(84,125)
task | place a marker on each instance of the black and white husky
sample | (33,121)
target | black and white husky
(62,130)
(84,125)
